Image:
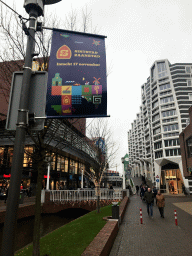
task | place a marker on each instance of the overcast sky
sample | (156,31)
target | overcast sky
(138,33)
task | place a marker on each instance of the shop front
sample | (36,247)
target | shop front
(171,180)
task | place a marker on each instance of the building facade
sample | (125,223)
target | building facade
(153,140)
(186,150)
(68,151)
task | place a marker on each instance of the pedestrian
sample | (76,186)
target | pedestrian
(137,189)
(155,193)
(6,196)
(142,192)
(160,203)
(149,198)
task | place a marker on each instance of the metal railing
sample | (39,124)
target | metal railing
(85,195)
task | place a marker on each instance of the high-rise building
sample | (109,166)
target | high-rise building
(153,140)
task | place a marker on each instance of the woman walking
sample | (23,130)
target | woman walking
(160,203)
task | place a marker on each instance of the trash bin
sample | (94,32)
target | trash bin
(21,198)
(115,210)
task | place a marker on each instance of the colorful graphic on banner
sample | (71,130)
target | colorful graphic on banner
(77,75)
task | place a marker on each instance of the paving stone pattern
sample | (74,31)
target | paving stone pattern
(157,236)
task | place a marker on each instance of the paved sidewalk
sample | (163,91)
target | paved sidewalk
(157,236)
(27,201)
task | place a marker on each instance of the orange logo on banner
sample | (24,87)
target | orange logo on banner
(64,52)
(66,100)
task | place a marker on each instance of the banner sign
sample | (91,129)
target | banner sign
(77,84)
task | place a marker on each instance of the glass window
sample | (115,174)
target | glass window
(156,117)
(156,131)
(166,99)
(189,83)
(27,160)
(66,164)
(170,127)
(155,104)
(58,163)
(154,91)
(169,113)
(62,164)
(188,69)
(164,86)
(53,159)
(189,147)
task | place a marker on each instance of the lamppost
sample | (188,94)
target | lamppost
(34,8)
(123,160)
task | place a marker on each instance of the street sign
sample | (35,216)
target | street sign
(37,100)
(157,180)
(157,177)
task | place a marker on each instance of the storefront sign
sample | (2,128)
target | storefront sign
(6,176)
(77,76)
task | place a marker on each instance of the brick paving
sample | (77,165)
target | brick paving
(157,236)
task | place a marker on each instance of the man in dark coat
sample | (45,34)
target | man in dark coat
(149,198)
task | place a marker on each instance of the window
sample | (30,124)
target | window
(189,147)
(158,154)
(169,120)
(161,69)
(157,137)
(189,83)
(154,91)
(173,152)
(156,131)
(158,145)
(164,86)
(188,69)
(27,161)
(155,104)
(173,142)
(190,96)
(170,134)
(169,113)
(166,99)
(170,127)
(165,93)
(168,106)
(156,117)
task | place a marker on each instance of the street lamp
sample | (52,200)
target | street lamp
(123,160)
(35,9)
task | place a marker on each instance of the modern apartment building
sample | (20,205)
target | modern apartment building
(153,140)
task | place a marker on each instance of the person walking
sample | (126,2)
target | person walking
(155,193)
(137,189)
(7,191)
(160,203)
(149,198)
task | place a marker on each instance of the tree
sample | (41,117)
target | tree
(101,135)
(12,56)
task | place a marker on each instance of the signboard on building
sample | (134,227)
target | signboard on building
(77,84)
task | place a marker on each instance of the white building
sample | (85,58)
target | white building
(153,140)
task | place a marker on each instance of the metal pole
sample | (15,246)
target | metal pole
(17,164)
(82,178)
(48,173)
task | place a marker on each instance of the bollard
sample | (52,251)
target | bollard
(141,216)
(175,217)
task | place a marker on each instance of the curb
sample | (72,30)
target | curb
(103,242)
